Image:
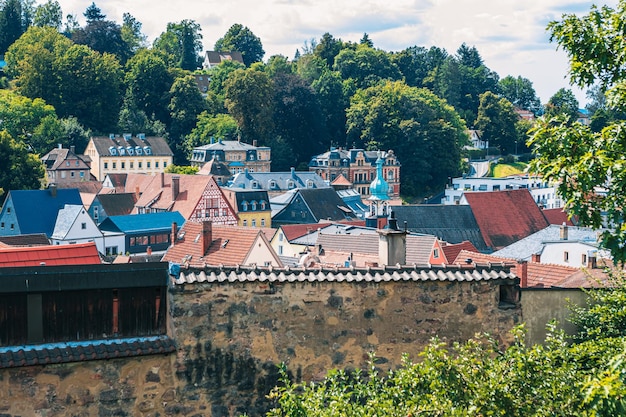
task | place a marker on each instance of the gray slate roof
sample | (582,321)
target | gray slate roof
(277,181)
(448,273)
(158,144)
(65,219)
(450,223)
(525,248)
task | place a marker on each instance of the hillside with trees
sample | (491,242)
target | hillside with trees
(106,77)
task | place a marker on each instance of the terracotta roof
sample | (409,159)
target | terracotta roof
(190,192)
(294,231)
(87,187)
(230,245)
(78,254)
(542,275)
(504,217)
(341,180)
(451,250)
(16,356)
(214,167)
(557,216)
(35,239)
(451,273)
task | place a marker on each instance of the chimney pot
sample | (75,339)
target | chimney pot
(521,270)
(175,187)
(563,232)
(207,236)
(174,233)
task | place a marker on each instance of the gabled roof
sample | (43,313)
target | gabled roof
(419,249)
(65,220)
(294,231)
(54,159)
(276,181)
(229,145)
(86,187)
(37,210)
(77,254)
(35,239)
(117,204)
(451,250)
(557,216)
(216,57)
(230,245)
(135,223)
(530,245)
(450,223)
(157,144)
(214,167)
(325,204)
(504,217)
(158,194)
(341,180)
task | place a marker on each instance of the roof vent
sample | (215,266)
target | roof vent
(127,136)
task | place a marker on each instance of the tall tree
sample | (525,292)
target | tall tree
(216,126)
(186,104)
(14,20)
(497,120)
(563,102)
(240,38)
(520,92)
(131,33)
(104,36)
(49,14)
(93,13)
(365,65)
(328,48)
(182,42)
(418,63)
(19,169)
(413,122)
(249,99)
(572,155)
(333,102)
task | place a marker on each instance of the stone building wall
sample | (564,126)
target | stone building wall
(231,336)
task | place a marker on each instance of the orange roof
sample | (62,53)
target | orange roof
(452,250)
(294,231)
(78,254)
(504,217)
(341,180)
(230,245)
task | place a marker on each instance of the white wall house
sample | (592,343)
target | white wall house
(74,225)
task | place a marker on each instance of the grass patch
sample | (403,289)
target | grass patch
(505,170)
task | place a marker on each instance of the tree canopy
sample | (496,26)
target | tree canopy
(240,38)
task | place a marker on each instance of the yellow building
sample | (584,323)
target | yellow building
(252,206)
(128,154)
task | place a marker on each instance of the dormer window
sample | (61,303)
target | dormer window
(130,150)
(138,150)
(255,184)
(122,150)
(291,184)
(113,151)
(147,150)
(309,184)
(244,206)
(253,204)
(263,204)
(273,185)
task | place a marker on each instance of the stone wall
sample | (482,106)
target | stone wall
(231,337)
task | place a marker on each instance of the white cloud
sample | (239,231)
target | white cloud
(509,35)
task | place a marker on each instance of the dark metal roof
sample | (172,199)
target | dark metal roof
(325,204)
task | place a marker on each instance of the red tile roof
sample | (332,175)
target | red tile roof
(294,231)
(557,216)
(504,217)
(230,245)
(341,180)
(451,250)
(78,254)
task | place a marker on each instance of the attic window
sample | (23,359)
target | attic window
(309,183)
(291,184)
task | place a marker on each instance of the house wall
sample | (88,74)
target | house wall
(8,220)
(261,218)
(555,253)
(543,305)
(232,336)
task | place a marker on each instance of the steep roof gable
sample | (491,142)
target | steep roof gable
(117,204)
(37,210)
(505,217)
(77,254)
(325,204)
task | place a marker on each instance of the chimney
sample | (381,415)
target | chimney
(53,190)
(174,233)
(563,232)
(72,149)
(137,192)
(175,187)
(254,143)
(536,258)
(207,236)
(60,145)
(391,247)
(162,180)
(521,270)
(592,261)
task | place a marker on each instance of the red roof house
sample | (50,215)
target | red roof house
(504,217)
(77,254)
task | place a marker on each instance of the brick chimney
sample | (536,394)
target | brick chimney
(174,233)
(521,270)
(175,187)
(563,232)
(207,236)
(162,180)
(536,258)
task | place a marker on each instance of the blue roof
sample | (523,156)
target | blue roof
(37,210)
(149,222)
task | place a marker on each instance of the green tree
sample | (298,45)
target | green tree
(366,65)
(19,169)
(104,36)
(418,63)
(182,44)
(15,18)
(520,92)
(497,120)
(49,14)
(333,102)
(178,169)
(131,33)
(185,105)
(328,48)
(413,122)
(298,119)
(240,38)
(93,13)
(220,73)
(249,99)
(563,102)
(148,84)
(278,64)
(217,126)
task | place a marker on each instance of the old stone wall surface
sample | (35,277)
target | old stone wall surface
(232,336)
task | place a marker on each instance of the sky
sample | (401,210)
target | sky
(510,35)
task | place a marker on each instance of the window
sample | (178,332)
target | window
(2,225)
(95,213)
(132,164)
(584,259)
(77,162)
(280,237)
(262,222)
(114,165)
(111,250)
(8,209)
(244,206)
(83,226)
(156,164)
(139,164)
(12,226)
(67,163)
(82,174)
(164,164)
(566,256)
(280,249)
(148,164)
(245,222)
(253,205)
(253,222)
(435,253)
(106,165)
(62,174)
(123,165)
